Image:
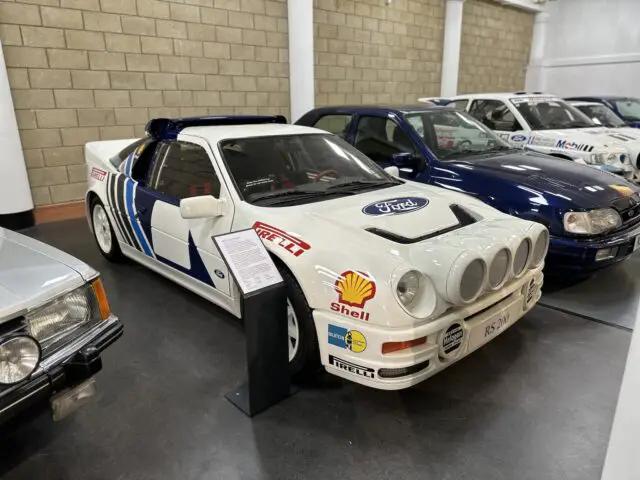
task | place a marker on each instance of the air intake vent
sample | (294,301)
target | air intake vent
(464,217)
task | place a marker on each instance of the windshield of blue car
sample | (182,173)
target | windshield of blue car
(451,134)
(550,113)
(629,108)
(601,115)
(299,168)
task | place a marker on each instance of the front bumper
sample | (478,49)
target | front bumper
(64,369)
(476,325)
(578,256)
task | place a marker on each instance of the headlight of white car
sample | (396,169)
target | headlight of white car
(19,357)
(608,158)
(66,314)
(408,287)
(592,222)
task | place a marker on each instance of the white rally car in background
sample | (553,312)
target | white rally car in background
(550,125)
(388,281)
(616,128)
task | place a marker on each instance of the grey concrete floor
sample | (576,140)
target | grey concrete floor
(610,296)
(535,404)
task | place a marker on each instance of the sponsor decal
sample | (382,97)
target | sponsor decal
(291,244)
(518,138)
(452,340)
(219,273)
(623,190)
(352,367)
(583,147)
(98,174)
(541,141)
(354,289)
(349,339)
(395,206)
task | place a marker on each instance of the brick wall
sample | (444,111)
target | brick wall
(366,52)
(495,47)
(83,70)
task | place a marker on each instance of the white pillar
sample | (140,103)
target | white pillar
(451,47)
(15,194)
(535,71)
(621,462)
(301,75)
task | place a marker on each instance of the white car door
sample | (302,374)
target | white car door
(184,169)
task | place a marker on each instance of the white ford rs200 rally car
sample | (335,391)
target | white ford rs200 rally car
(615,127)
(388,281)
(547,124)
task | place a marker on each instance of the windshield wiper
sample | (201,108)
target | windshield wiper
(283,193)
(350,185)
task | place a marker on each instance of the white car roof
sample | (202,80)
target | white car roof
(500,96)
(216,133)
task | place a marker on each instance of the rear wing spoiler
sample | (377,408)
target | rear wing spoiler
(168,128)
(434,100)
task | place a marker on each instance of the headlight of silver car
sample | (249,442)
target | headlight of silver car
(592,222)
(408,287)
(66,314)
(19,357)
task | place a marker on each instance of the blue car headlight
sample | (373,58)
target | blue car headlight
(592,222)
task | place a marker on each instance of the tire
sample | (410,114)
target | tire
(305,362)
(110,249)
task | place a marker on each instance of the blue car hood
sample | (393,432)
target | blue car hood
(523,175)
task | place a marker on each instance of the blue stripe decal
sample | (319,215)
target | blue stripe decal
(128,165)
(132,218)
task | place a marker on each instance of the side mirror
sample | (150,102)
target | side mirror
(205,206)
(404,160)
(393,171)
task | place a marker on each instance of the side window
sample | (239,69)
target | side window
(336,124)
(495,115)
(459,105)
(379,138)
(183,170)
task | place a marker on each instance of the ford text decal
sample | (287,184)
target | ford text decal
(395,206)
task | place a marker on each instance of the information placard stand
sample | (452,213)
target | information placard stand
(264,311)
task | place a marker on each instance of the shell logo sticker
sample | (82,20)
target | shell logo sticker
(623,190)
(354,289)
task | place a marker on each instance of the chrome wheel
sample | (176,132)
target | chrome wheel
(293,330)
(102,228)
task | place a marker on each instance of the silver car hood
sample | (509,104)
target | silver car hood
(32,273)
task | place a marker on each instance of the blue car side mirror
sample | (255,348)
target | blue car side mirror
(404,160)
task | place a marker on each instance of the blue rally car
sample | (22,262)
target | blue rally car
(593,216)
(627,108)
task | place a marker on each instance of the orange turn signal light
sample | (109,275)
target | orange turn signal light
(391,347)
(101,296)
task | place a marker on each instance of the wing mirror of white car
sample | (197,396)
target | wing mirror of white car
(204,206)
(393,171)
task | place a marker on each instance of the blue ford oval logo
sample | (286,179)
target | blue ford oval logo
(219,273)
(518,138)
(395,206)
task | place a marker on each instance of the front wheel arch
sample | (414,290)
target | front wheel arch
(307,362)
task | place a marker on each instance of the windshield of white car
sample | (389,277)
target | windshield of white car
(629,108)
(452,134)
(601,115)
(547,113)
(299,168)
